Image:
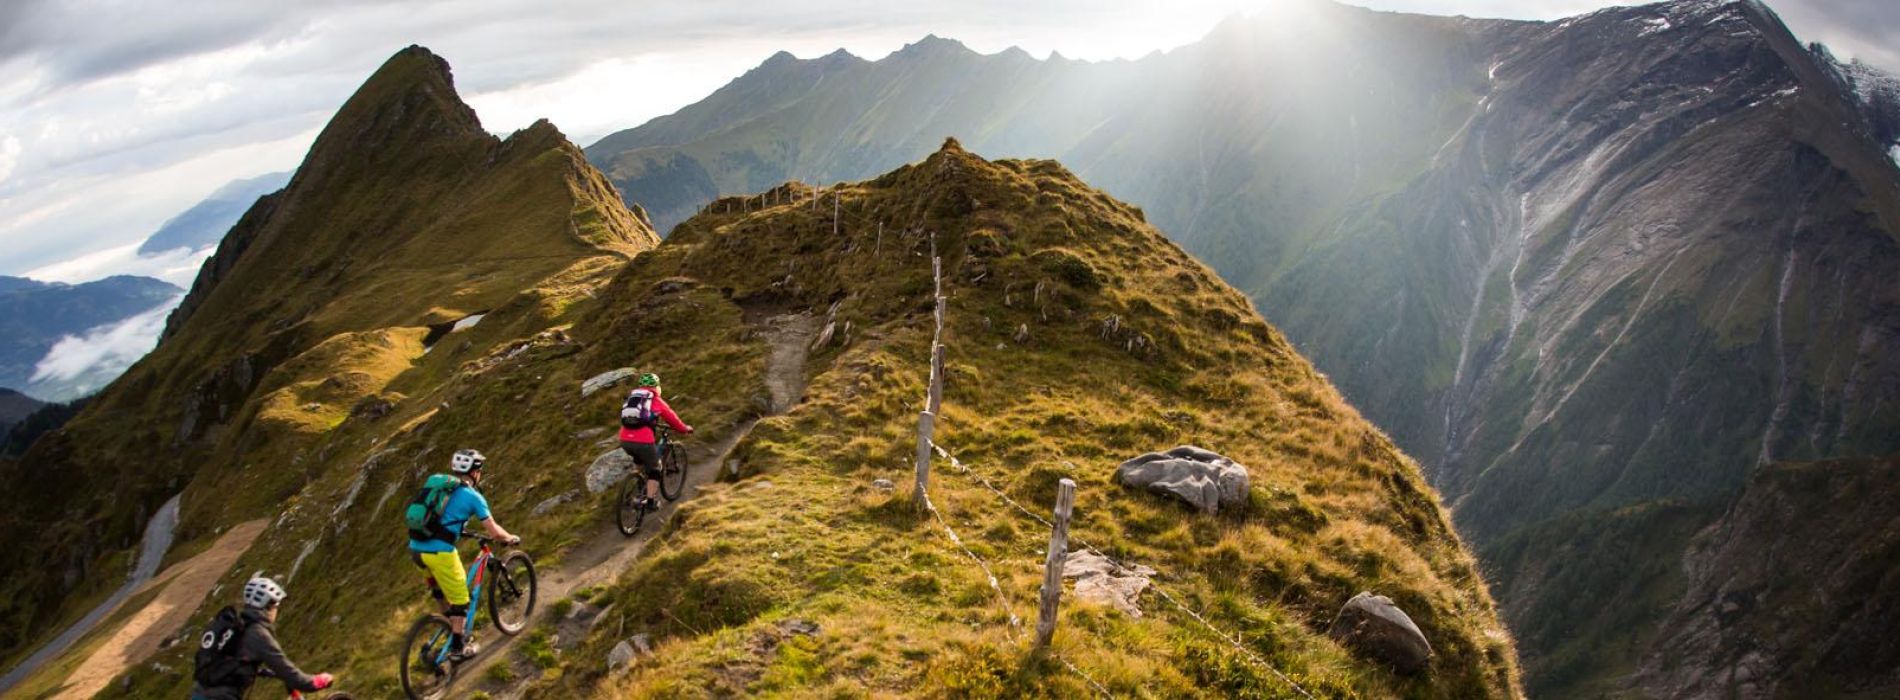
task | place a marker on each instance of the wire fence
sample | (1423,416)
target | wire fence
(927,444)
(841,215)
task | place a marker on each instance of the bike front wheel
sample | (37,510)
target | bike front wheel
(627,511)
(512,595)
(673,472)
(426,669)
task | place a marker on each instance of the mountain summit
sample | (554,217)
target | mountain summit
(404,218)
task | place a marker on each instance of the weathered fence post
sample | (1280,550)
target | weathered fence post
(1052,568)
(926,424)
(936,378)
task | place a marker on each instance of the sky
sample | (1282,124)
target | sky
(117,114)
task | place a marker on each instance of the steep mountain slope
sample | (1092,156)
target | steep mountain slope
(404,217)
(1744,628)
(206,222)
(15,406)
(1078,337)
(1613,261)
(35,315)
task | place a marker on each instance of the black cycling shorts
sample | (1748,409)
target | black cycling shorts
(646,455)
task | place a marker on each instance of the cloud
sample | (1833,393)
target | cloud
(179,267)
(80,364)
(9,156)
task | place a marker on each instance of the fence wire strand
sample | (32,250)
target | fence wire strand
(1233,640)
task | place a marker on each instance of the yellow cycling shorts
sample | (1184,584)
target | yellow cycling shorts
(445,574)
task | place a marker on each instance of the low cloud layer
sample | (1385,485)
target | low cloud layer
(82,364)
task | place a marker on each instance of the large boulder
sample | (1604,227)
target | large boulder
(1205,479)
(604,380)
(1373,626)
(608,469)
(1099,579)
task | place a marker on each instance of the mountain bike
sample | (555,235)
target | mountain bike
(508,580)
(629,512)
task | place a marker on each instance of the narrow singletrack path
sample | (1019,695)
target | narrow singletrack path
(601,558)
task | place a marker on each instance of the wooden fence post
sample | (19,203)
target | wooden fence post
(926,424)
(936,378)
(1052,568)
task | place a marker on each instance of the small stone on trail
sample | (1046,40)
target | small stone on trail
(883,485)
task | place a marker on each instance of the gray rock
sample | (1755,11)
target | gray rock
(1373,626)
(608,469)
(620,657)
(805,628)
(543,507)
(642,643)
(590,433)
(1205,479)
(1099,579)
(604,380)
(883,485)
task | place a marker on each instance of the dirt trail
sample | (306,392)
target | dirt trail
(603,557)
(185,586)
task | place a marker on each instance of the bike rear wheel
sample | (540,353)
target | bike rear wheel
(426,669)
(512,595)
(673,472)
(627,511)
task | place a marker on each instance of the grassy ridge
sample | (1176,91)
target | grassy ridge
(801,535)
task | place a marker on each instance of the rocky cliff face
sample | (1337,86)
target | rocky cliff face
(1574,266)
(405,215)
(1791,592)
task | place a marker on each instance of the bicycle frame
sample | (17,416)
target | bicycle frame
(477,578)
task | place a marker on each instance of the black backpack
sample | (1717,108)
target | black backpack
(218,663)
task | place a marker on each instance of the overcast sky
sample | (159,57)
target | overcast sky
(117,114)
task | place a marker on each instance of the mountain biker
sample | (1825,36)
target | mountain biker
(438,558)
(637,437)
(240,645)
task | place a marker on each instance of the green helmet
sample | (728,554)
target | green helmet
(649,379)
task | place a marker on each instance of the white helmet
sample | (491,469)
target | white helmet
(466,461)
(261,593)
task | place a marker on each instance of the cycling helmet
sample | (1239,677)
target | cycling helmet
(261,593)
(649,379)
(466,461)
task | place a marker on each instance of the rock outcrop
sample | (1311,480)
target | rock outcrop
(1372,625)
(1205,479)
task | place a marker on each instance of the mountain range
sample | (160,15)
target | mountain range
(35,316)
(1619,261)
(205,223)
(421,286)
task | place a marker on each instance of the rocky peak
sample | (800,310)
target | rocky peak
(933,46)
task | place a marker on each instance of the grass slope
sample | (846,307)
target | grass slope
(801,535)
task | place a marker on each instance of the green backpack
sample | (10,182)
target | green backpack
(424,514)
